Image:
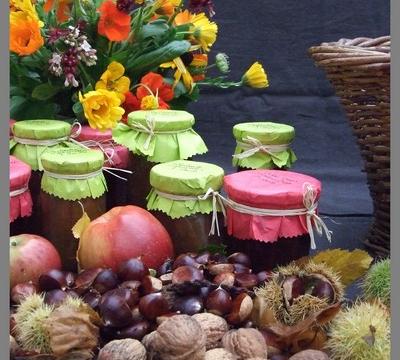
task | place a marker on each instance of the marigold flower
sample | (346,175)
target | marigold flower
(114,24)
(63,12)
(113,80)
(27,7)
(25,36)
(166,7)
(255,76)
(181,73)
(101,108)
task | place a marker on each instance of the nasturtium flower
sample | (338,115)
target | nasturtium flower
(113,80)
(102,108)
(114,24)
(166,7)
(27,7)
(255,76)
(25,36)
(63,11)
(153,92)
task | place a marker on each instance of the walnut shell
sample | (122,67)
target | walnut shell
(214,327)
(245,343)
(310,355)
(126,349)
(177,338)
(219,354)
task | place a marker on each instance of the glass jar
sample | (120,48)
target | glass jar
(153,137)
(72,179)
(20,197)
(116,156)
(269,215)
(181,198)
(263,145)
(32,138)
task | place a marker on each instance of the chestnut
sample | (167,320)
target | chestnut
(240,258)
(219,302)
(137,331)
(131,284)
(92,298)
(69,278)
(165,268)
(150,285)
(241,269)
(115,311)
(247,281)
(20,291)
(52,280)
(242,306)
(85,279)
(153,305)
(106,280)
(72,293)
(136,315)
(227,279)
(324,290)
(186,273)
(218,258)
(263,276)
(203,258)
(236,291)
(279,357)
(188,305)
(216,269)
(131,297)
(55,297)
(133,269)
(185,260)
(293,287)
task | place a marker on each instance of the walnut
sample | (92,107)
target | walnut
(178,338)
(219,354)
(245,343)
(127,349)
(310,355)
(214,327)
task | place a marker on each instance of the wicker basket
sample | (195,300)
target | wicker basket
(359,70)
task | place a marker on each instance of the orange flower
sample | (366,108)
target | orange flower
(25,36)
(167,7)
(114,24)
(63,9)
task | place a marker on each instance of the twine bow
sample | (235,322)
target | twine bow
(217,199)
(148,128)
(310,203)
(254,146)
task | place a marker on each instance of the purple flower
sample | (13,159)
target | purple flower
(200,5)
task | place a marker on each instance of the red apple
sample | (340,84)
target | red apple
(123,233)
(30,256)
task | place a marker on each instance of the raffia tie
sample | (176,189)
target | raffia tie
(149,129)
(18,192)
(253,146)
(217,199)
(87,175)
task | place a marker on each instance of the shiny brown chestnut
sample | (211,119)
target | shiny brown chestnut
(55,297)
(186,273)
(247,281)
(137,330)
(52,280)
(219,302)
(153,305)
(240,258)
(189,305)
(185,260)
(115,311)
(20,291)
(106,280)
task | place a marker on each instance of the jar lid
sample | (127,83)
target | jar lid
(11,124)
(164,120)
(87,133)
(184,177)
(73,161)
(41,129)
(19,173)
(269,189)
(268,133)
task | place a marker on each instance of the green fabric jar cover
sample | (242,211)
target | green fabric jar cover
(33,137)
(184,178)
(263,145)
(73,173)
(160,135)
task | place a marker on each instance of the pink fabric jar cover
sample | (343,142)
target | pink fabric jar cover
(267,189)
(120,154)
(20,200)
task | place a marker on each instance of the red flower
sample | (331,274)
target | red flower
(114,24)
(130,104)
(63,10)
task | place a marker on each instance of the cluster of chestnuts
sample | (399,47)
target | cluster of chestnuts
(133,300)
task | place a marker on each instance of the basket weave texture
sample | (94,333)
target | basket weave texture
(359,70)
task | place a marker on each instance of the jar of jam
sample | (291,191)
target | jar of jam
(72,180)
(11,124)
(181,198)
(271,214)
(32,138)
(20,197)
(263,145)
(116,156)
(155,136)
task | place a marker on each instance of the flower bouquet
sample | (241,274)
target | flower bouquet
(99,60)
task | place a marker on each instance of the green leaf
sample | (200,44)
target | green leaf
(44,91)
(77,108)
(16,90)
(156,30)
(16,105)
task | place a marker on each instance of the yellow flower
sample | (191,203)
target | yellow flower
(102,108)
(166,7)
(255,76)
(203,30)
(25,36)
(181,73)
(27,7)
(113,80)
(149,102)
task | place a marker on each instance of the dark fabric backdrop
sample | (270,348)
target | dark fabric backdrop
(278,34)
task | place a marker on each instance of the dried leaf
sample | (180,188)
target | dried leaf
(80,225)
(350,265)
(71,331)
